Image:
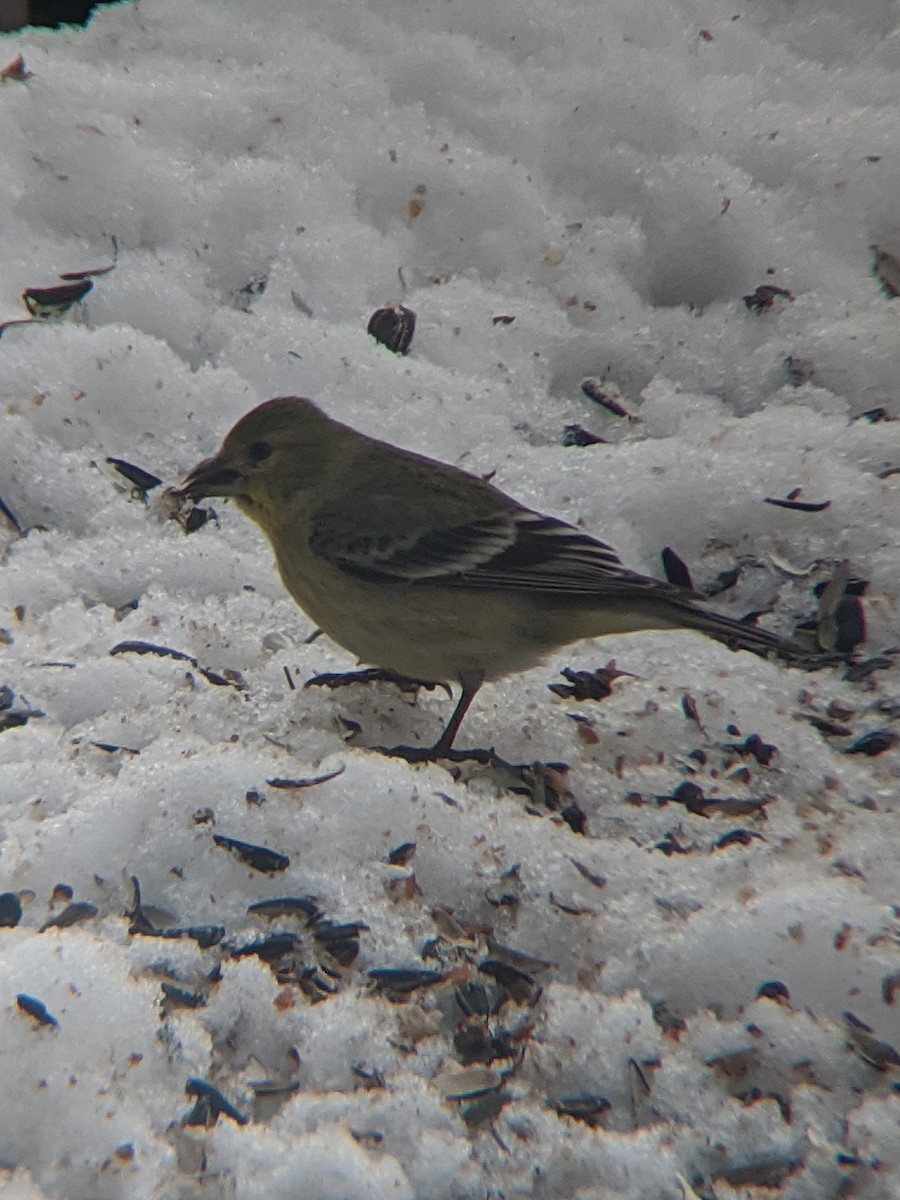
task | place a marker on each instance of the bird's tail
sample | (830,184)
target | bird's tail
(739,635)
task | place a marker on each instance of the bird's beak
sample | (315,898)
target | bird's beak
(211,478)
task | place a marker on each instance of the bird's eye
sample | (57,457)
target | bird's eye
(259,451)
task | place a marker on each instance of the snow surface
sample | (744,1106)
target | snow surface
(616,176)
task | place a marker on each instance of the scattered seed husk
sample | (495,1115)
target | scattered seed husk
(10,910)
(393,326)
(72,914)
(666,1019)
(670,845)
(288,784)
(313,983)
(15,70)
(18,321)
(507,892)
(874,743)
(693,799)
(7,512)
(271,948)
(737,837)
(886,269)
(204,935)
(689,708)
(799,505)
(176,997)
(401,981)
(584,1107)
(275,1087)
(259,858)
(245,296)
(331,931)
(607,396)
(14,718)
(569,908)
(196,518)
(589,685)
(142,481)
(754,1095)
(93,271)
(792,570)
(639,1090)
(45,303)
(831,595)
(502,319)
(371,1080)
(473,1081)
(519,985)
(485,1109)
(676,569)
(764,297)
(133,647)
(211,1104)
(687,793)
(850,624)
(300,304)
(341,940)
(799,370)
(456,932)
(764,1173)
(874,415)
(148,920)
(545,784)
(861,670)
(476,999)
(286,906)
(577,435)
(734,1064)
(416,201)
(599,881)
(227,678)
(401,855)
(518,958)
(754,747)
(36,1009)
(141,920)
(474,1043)
(889,987)
(722,582)
(112,748)
(773,989)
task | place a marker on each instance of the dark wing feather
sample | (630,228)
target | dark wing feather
(514,549)
(394,554)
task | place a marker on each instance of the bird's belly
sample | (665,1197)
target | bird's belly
(432,634)
(438,633)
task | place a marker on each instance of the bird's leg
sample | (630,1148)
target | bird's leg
(443,747)
(470,686)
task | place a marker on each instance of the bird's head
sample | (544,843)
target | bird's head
(269,455)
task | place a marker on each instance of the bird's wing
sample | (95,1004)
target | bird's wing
(510,548)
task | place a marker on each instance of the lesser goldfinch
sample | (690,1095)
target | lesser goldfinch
(424,569)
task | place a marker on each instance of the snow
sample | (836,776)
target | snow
(617,178)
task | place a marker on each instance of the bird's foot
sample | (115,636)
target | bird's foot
(339,679)
(437,753)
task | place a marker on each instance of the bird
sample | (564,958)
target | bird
(428,571)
